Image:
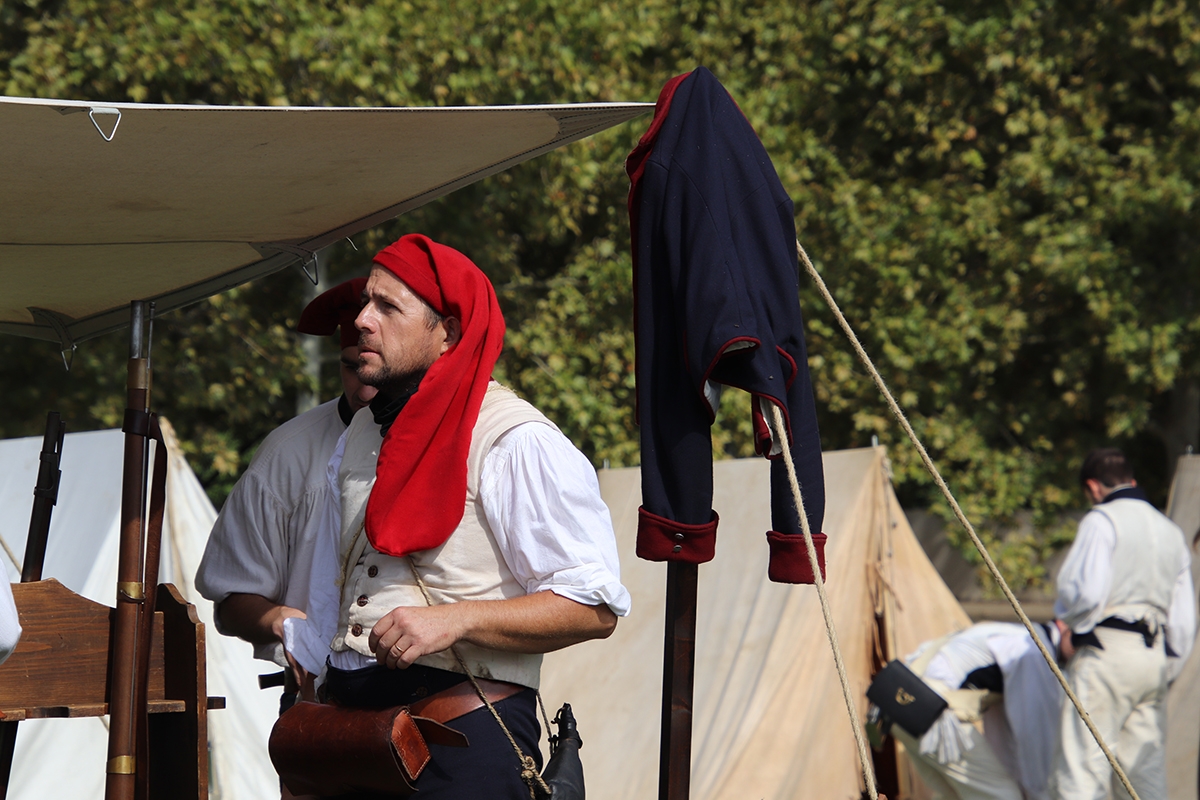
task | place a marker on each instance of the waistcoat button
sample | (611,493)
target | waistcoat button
(372,571)
(362,600)
(677,548)
(356,630)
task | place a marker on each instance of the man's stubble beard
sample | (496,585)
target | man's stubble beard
(393,383)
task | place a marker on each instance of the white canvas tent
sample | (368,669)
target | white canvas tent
(1183,701)
(82,554)
(769,720)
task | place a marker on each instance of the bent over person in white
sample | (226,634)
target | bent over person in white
(989,747)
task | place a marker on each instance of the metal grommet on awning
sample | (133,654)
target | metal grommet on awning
(105,111)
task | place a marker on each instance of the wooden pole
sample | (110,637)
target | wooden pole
(679,669)
(45,496)
(122,767)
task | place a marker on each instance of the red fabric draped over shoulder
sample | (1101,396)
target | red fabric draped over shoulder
(421,479)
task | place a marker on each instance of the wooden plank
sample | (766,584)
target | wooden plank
(86,710)
(63,664)
(63,658)
(179,742)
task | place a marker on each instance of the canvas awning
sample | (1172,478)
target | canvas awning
(108,203)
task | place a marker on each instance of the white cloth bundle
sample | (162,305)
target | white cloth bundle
(947,740)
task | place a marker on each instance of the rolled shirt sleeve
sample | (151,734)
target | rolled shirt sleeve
(247,549)
(1086,576)
(542,501)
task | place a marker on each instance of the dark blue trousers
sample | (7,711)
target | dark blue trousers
(488,769)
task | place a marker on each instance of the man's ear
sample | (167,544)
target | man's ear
(453,332)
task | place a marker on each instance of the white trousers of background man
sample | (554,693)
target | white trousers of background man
(1123,688)
(977,775)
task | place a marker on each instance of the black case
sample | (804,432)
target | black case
(905,699)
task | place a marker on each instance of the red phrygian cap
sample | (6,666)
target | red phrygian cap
(421,479)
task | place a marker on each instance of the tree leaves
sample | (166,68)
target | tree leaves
(1002,196)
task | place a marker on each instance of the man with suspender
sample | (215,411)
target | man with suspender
(1127,611)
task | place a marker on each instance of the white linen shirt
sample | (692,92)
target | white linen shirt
(1085,579)
(542,501)
(262,542)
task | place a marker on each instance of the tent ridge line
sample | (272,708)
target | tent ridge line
(73,106)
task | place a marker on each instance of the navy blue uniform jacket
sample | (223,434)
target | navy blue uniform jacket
(716,282)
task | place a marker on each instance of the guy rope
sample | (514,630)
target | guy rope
(958,513)
(864,758)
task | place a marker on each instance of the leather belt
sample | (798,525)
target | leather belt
(1140,627)
(462,699)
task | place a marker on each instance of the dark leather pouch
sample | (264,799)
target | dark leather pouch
(905,699)
(329,750)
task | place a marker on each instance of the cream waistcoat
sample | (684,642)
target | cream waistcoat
(468,566)
(1149,554)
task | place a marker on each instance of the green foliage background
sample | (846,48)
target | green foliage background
(1002,195)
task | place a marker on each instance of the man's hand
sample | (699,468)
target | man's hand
(254,618)
(407,633)
(1065,649)
(535,623)
(260,621)
(301,676)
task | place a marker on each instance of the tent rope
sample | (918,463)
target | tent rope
(864,757)
(958,513)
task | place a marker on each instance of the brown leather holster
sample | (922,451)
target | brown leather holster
(329,750)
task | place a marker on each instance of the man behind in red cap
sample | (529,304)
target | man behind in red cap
(258,559)
(455,479)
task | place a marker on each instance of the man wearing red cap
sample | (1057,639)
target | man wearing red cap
(455,486)
(258,559)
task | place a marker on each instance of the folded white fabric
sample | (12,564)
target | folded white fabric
(947,740)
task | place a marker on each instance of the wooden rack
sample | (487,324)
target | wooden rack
(62,668)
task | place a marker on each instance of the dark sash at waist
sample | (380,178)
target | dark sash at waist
(1141,627)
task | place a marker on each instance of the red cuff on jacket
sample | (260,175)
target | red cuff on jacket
(789,557)
(661,539)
